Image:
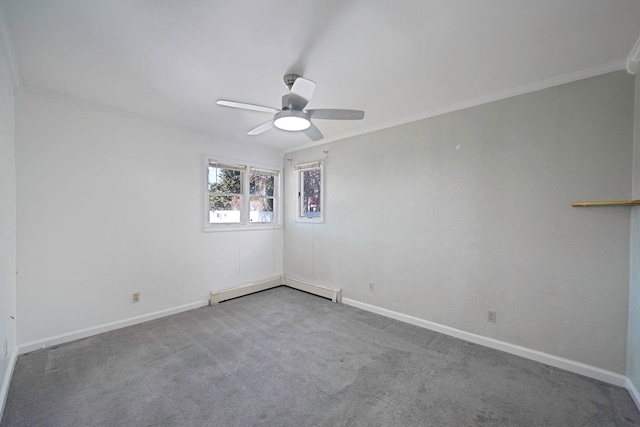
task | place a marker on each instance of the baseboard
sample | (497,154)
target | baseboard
(4,391)
(84,333)
(549,359)
(334,294)
(633,391)
(95,330)
(242,290)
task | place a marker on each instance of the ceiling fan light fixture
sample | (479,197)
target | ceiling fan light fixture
(291,120)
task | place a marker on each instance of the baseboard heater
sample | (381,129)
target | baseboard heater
(334,294)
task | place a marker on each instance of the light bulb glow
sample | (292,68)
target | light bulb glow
(291,120)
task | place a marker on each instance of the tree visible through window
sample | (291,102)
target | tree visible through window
(310,196)
(225,193)
(242,195)
(262,193)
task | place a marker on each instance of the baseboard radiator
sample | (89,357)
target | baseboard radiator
(242,290)
(334,294)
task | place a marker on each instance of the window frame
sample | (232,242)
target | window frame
(275,194)
(246,168)
(299,170)
(241,196)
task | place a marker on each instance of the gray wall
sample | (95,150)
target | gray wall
(471,211)
(7,226)
(633,361)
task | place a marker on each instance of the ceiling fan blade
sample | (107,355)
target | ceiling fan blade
(262,128)
(301,93)
(336,114)
(313,133)
(244,106)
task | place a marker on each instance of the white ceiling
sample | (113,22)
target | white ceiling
(398,60)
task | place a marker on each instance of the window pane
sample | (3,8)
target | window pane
(261,209)
(224,209)
(261,183)
(311,184)
(222,180)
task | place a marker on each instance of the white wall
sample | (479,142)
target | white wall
(109,204)
(487,220)
(633,361)
(7,229)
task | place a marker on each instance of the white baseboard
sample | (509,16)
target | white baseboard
(95,330)
(334,294)
(549,359)
(84,333)
(4,391)
(242,290)
(633,391)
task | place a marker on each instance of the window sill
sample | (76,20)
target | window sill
(241,227)
(310,220)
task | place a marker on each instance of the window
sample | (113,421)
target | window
(225,193)
(310,206)
(241,195)
(262,186)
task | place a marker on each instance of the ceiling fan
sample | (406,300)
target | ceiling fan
(293,116)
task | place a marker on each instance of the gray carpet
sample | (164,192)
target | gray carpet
(286,358)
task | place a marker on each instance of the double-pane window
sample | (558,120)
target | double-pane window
(241,194)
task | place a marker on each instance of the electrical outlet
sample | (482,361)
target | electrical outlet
(371,286)
(135,297)
(491,316)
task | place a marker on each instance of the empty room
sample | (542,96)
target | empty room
(323,212)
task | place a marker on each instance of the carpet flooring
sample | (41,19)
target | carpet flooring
(287,358)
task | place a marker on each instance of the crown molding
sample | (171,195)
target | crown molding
(633,62)
(9,54)
(474,102)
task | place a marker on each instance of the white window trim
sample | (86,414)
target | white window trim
(244,224)
(298,205)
